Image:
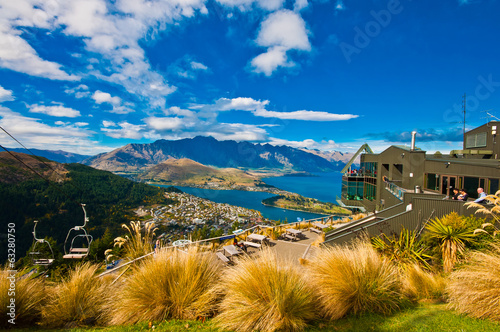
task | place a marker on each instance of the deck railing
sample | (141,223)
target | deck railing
(395,190)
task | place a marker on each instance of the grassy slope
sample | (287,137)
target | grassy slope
(190,172)
(426,317)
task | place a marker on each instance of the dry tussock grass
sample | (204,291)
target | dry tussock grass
(29,295)
(78,299)
(355,279)
(475,288)
(265,294)
(173,284)
(419,284)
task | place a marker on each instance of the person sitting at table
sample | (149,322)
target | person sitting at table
(482,195)
(463,195)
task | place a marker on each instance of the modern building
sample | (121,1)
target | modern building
(414,185)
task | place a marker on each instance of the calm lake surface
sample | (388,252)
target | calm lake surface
(324,187)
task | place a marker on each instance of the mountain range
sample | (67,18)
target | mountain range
(55,155)
(209,151)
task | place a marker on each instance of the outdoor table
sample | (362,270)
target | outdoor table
(257,237)
(295,232)
(231,250)
(322,226)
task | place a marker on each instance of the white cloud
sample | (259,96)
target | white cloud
(81,124)
(126,130)
(245,5)
(339,5)
(56,110)
(280,32)
(198,66)
(300,4)
(35,134)
(267,63)
(164,124)
(286,29)
(106,124)
(237,132)
(258,108)
(105,98)
(5,95)
(324,145)
(304,115)
(239,104)
(111,29)
(17,55)
(81,91)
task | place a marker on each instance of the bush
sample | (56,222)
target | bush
(78,300)
(355,279)
(419,284)
(474,289)
(265,294)
(29,294)
(173,284)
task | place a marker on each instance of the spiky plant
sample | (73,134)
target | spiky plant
(404,250)
(173,284)
(355,279)
(27,293)
(265,294)
(135,244)
(78,300)
(474,288)
(452,237)
(492,211)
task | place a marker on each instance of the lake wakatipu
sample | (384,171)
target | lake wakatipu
(323,186)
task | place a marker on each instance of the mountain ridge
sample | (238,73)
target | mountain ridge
(136,157)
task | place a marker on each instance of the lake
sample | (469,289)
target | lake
(324,186)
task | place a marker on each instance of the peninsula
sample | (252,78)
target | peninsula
(301,203)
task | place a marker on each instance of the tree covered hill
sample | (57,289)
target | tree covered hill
(109,199)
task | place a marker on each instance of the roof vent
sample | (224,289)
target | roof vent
(413,134)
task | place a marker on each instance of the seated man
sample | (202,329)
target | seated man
(481,197)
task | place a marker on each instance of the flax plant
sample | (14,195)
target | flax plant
(452,237)
(135,244)
(265,294)
(173,284)
(404,250)
(355,279)
(474,288)
(28,295)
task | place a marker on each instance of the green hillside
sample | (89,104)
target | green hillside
(109,200)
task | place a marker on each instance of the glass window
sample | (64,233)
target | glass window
(470,185)
(493,186)
(476,140)
(432,181)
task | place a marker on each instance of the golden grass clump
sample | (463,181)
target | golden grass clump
(265,294)
(475,288)
(419,284)
(173,284)
(79,299)
(355,279)
(28,295)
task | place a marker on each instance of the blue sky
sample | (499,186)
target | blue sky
(88,76)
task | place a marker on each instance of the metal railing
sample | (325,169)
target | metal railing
(395,190)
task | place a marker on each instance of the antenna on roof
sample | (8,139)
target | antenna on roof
(464,111)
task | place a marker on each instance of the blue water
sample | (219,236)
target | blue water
(325,187)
